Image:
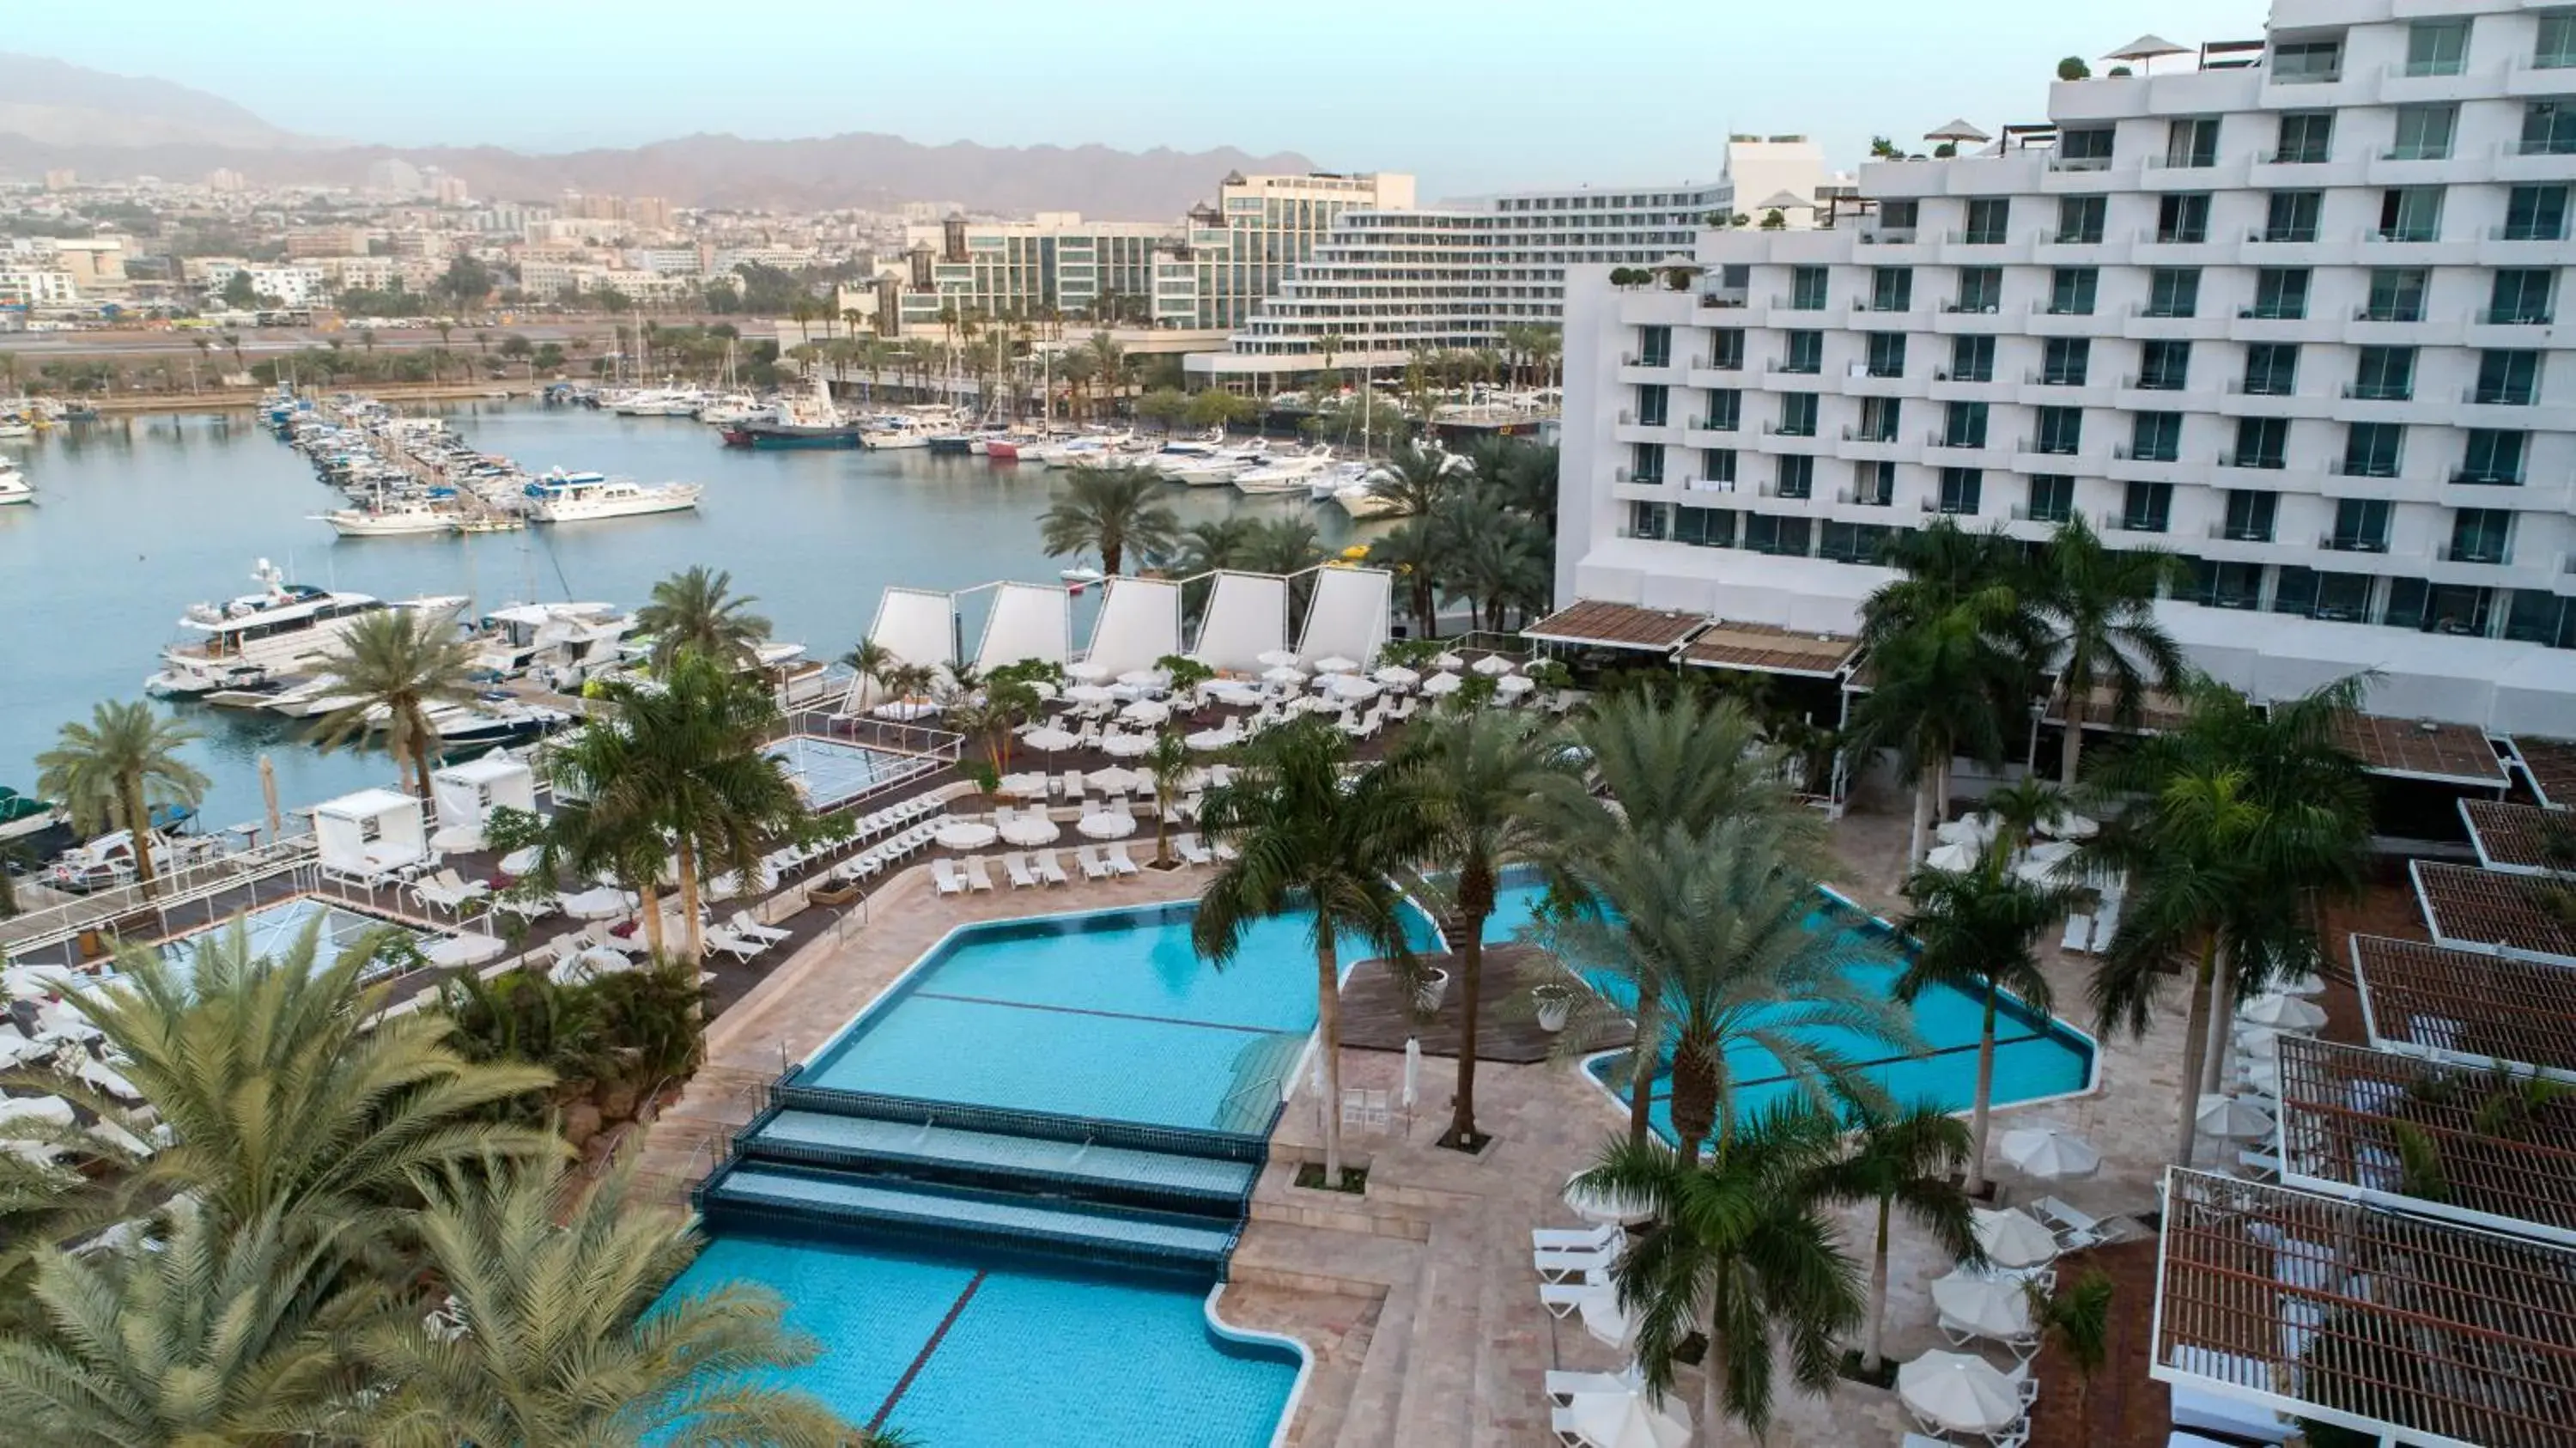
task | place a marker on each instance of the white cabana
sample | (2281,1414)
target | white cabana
(1028,621)
(467,794)
(1349,615)
(916,626)
(1140,621)
(368,835)
(1246,617)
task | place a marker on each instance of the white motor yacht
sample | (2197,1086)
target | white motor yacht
(14,488)
(392,519)
(1285,474)
(1216,468)
(562,497)
(900,430)
(1357,500)
(258,636)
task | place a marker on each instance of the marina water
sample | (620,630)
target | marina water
(137,518)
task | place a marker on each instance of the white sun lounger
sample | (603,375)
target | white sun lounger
(978,877)
(743,925)
(717,937)
(1093,866)
(1562,1384)
(1191,849)
(2075,1229)
(1559,1266)
(1118,861)
(950,879)
(1562,1298)
(2079,933)
(1574,1239)
(1017,868)
(1051,869)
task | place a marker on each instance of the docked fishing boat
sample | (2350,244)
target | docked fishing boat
(259,636)
(562,497)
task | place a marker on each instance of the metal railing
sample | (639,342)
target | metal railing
(53,925)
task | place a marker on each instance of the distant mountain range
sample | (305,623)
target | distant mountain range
(55,115)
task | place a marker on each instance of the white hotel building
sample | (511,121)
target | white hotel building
(2292,318)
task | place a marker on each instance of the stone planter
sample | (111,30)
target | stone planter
(833,892)
(1555,1004)
(1433,990)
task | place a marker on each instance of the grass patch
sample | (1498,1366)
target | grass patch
(1354,1179)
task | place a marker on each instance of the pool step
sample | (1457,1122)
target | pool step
(748,1191)
(923,1150)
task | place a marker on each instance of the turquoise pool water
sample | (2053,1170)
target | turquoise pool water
(1110,1016)
(834,771)
(989,1352)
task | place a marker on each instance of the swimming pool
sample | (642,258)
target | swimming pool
(1110,1016)
(833,772)
(991,1350)
(274,928)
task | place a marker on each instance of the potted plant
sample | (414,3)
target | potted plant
(1431,991)
(1555,1002)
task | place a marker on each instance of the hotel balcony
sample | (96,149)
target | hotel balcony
(1942,454)
(2046,320)
(2236,400)
(1884,445)
(2369,487)
(2238,545)
(1946,388)
(2125,466)
(2523,246)
(2154,248)
(2520,160)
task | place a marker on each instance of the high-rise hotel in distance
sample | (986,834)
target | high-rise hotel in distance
(2285,308)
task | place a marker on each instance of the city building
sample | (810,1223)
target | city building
(1235,253)
(27,285)
(1054,262)
(2288,312)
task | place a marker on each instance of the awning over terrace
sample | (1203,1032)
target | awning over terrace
(2550,765)
(2370,1319)
(2516,838)
(2438,1140)
(2471,908)
(1765,649)
(2467,1007)
(1597,624)
(1027,621)
(2425,749)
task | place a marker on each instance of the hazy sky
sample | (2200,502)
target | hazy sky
(1470,96)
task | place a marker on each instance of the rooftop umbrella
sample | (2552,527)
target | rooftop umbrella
(1626,1420)
(2233,1117)
(2146,48)
(964,834)
(2282,1013)
(1493,665)
(2012,1239)
(1961,1392)
(1278,658)
(1956,132)
(1996,1307)
(1334,664)
(1785,201)
(2049,1154)
(1439,684)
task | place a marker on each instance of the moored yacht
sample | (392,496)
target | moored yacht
(1295,474)
(258,636)
(392,518)
(562,497)
(14,488)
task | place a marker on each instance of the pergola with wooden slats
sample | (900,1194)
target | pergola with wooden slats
(2483,1153)
(2158,712)
(2377,1321)
(2550,765)
(1599,624)
(2467,1007)
(2516,838)
(2424,749)
(2481,908)
(1768,649)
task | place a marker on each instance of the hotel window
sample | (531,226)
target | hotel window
(1646,520)
(2410,213)
(2147,508)
(1873,484)
(1654,404)
(2250,514)
(2493,457)
(1797,414)
(2064,361)
(2156,437)
(2396,294)
(2360,526)
(2437,47)
(2192,141)
(2173,291)
(1794,477)
(2482,535)
(2295,62)
(1963,424)
(1972,359)
(1807,289)
(1981,290)
(2385,374)
(2535,213)
(1962,490)
(2537,616)
(1772,533)
(2556,47)
(2343,597)
(1654,346)
(2507,379)
(1887,354)
(2292,215)
(2519,297)
(2164,366)
(1726,349)
(1806,352)
(1988,219)
(1891,289)
(2261,442)
(2549,128)
(1898,215)
(2373,450)
(1852,542)
(2271,369)
(1879,419)
(2079,219)
(2450,608)
(1646,463)
(2307,138)
(2084,148)
(2052,498)
(2060,432)
(2424,133)
(1704,527)
(1725,410)
(2182,219)
(2280,293)
(2071,290)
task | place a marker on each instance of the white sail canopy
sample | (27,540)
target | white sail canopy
(1028,621)
(1349,614)
(1247,616)
(1140,622)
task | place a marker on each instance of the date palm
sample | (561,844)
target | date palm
(1978,933)
(393,666)
(1904,1158)
(1307,839)
(1418,479)
(1109,512)
(111,772)
(1738,1248)
(695,609)
(1416,553)
(872,661)
(561,1339)
(1949,684)
(2097,611)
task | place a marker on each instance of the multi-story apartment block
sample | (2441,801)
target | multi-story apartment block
(1055,262)
(1236,252)
(2292,318)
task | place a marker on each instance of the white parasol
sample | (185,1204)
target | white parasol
(2049,1154)
(1115,780)
(2232,1117)
(1024,786)
(1412,1071)
(1439,685)
(1335,664)
(1277,659)
(1091,694)
(1625,1420)
(2013,1239)
(597,904)
(2282,1013)
(1127,746)
(964,834)
(2308,984)
(1971,829)
(1086,672)
(1144,678)
(1208,739)
(1031,829)
(1511,684)
(1448,661)
(1604,1319)
(1493,665)
(1593,1206)
(2070,826)
(1107,826)
(1961,1392)
(1397,676)
(1956,131)
(2258,1043)
(466,950)
(1352,686)
(519,862)
(1284,674)
(1146,711)
(1952,859)
(1050,738)
(1995,1307)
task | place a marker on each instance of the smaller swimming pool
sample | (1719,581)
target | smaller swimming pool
(832,772)
(274,929)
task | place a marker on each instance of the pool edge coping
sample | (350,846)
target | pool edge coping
(1217,1326)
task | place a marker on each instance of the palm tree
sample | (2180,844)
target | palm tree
(1415,552)
(1739,1249)
(1169,762)
(1479,779)
(1107,511)
(1498,558)
(393,666)
(1978,933)
(695,609)
(112,771)
(1904,1158)
(685,761)
(562,1341)
(1108,363)
(871,660)
(2098,607)
(1308,840)
(1714,927)
(1416,479)
(1941,688)
(2077,1317)
(2243,820)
